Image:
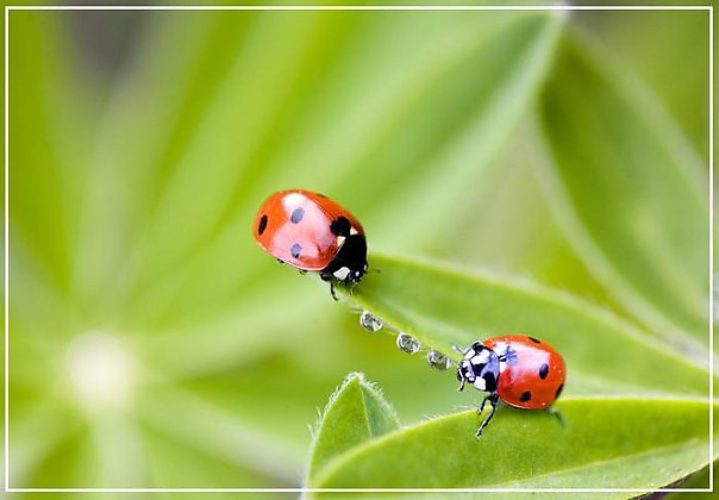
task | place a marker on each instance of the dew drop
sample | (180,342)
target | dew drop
(370,322)
(438,361)
(407,343)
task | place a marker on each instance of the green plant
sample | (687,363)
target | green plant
(514,168)
(626,442)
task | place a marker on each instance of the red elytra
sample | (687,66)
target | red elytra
(536,377)
(312,233)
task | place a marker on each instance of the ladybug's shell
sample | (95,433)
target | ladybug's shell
(311,237)
(534,375)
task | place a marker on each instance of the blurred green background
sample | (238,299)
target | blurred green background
(153,344)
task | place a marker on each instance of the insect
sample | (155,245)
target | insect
(312,233)
(522,371)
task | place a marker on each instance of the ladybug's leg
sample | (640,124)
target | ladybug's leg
(325,276)
(553,411)
(484,401)
(492,398)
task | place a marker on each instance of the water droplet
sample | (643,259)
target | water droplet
(370,322)
(407,343)
(438,361)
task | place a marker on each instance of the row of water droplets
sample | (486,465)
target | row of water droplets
(405,342)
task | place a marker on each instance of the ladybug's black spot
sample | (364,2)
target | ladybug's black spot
(296,250)
(536,341)
(340,226)
(297,215)
(526,396)
(262,225)
(543,370)
(559,391)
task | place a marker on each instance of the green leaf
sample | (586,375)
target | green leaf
(224,435)
(134,157)
(356,413)
(617,443)
(56,424)
(633,37)
(173,461)
(475,103)
(49,112)
(698,480)
(441,306)
(628,190)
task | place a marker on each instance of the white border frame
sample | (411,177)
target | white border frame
(707,8)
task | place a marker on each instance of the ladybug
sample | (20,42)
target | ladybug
(522,371)
(312,233)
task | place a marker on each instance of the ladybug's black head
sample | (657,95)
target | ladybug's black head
(350,263)
(480,367)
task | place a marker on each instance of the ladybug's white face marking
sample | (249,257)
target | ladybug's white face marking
(341,273)
(353,231)
(481,358)
(480,367)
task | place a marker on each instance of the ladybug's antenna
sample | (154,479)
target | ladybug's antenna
(457,349)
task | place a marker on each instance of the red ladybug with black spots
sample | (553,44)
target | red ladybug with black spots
(522,371)
(312,233)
